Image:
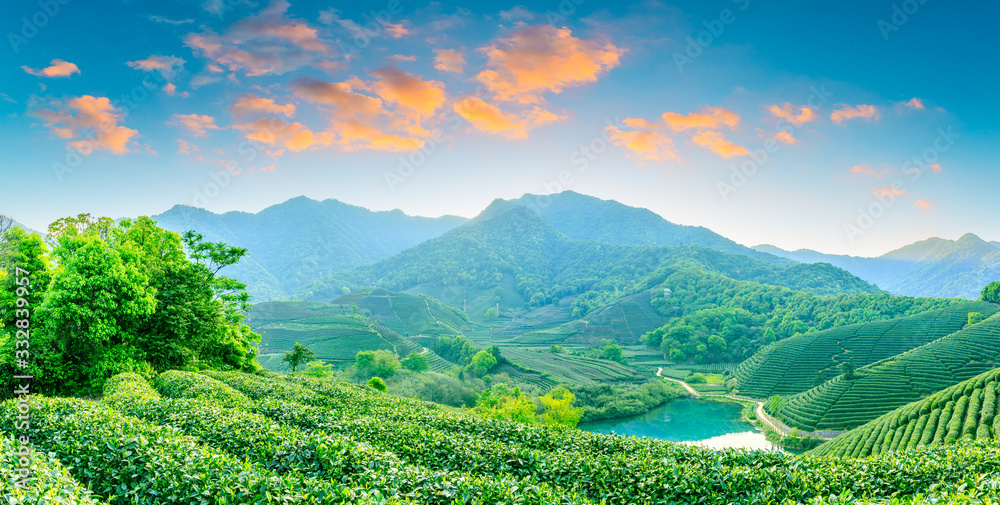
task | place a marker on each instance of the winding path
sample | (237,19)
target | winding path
(682,383)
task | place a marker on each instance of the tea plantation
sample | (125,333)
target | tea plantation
(791,365)
(228,438)
(965,411)
(881,387)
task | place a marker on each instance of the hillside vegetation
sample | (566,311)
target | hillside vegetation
(407,314)
(964,411)
(796,364)
(251,439)
(880,387)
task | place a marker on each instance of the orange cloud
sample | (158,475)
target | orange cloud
(716,142)
(915,103)
(936,168)
(269,43)
(864,169)
(166,65)
(846,112)
(889,191)
(489,118)
(536,59)
(785,137)
(249,103)
(787,112)
(91,121)
(185,147)
(923,204)
(408,90)
(707,118)
(449,60)
(171,90)
(56,68)
(396,30)
(197,124)
(275,132)
(645,145)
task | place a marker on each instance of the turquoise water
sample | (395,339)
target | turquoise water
(709,423)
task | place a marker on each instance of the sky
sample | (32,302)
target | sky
(846,127)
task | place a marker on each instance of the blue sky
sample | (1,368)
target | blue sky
(877,119)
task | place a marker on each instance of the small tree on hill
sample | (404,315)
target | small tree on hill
(318,369)
(415,362)
(847,369)
(818,379)
(298,355)
(377,383)
(975,317)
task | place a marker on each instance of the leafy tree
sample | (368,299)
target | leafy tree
(991,293)
(298,355)
(378,383)
(716,344)
(415,362)
(491,313)
(558,408)
(380,363)
(847,369)
(613,352)
(482,363)
(975,317)
(503,402)
(318,369)
(818,379)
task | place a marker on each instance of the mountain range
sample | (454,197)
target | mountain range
(934,267)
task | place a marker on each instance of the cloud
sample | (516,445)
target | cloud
(166,65)
(936,168)
(358,121)
(161,19)
(268,43)
(408,90)
(396,30)
(89,123)
(864,169)
(889,191)
(517,12)
(449,60)
(787,112)
(185,147)
(283,136)
(923,204)
(644,145)
(846,112)
(716,142)
(171,90)
(57,68)
(915,103)
(785,137)
(707,118)
(197,124)
(535,59)
(490,119)
(249,104)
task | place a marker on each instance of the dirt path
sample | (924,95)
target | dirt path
(682,383)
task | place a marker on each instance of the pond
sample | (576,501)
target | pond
(710,423)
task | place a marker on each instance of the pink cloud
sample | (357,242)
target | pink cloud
(846,112)
(57,68)
(197,124)
(89,123)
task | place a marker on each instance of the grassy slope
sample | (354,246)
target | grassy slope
(880,387)
(966,410)
(789,366)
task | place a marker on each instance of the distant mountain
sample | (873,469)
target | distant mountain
(934,267)
(583,217)
(298,241)
(512,259)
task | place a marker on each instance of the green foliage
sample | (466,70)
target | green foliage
(456,349)
(613,352)
(378,384)
(481,363)
(298,355)
(378,363)
(49,481)
(606,401)
(775,404)
(558,408)
(847,369)
(316,368)
(503,402)
(991,293)
(415,362)
(179,384)
(975,318)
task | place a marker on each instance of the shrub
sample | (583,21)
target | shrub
(377,383)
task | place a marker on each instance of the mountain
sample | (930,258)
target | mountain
(511,259)
(966,410)
(583,217)
(934,267)
(300,240)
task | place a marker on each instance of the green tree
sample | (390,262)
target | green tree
(415,362)
(847,369)
(818,379)
(318,369)
(378,383)
(975,318)
(558,408)
(717,344)
(482,363)
(991,293)
(503,402)
(380,363)
(613,352)
(298,355)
